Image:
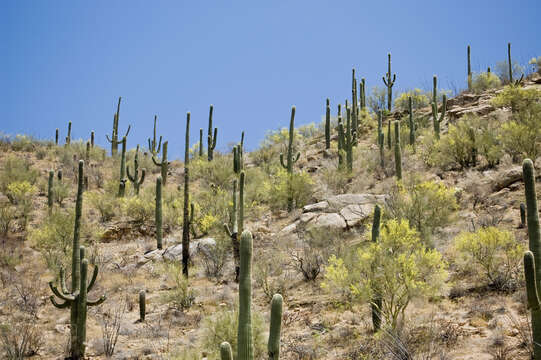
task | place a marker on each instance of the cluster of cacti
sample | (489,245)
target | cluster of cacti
(153,146)
(158,213)
(76,298)
(346,139)
(376,300)
(290,159)
(411,123)
(245,349)
(328,125)
(381,140)
(187,217)
(134,177)
(397,151)
(469,70)
(435,119)
(211,139)
(163,164)
(114,136)
(389,80)
(510,65)
(122,180)
(532,257)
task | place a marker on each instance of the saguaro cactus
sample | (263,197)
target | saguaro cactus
(163,164)
(186,214)
(134,177)
(469,70)
(411,123)
(389,138)
(328,125)
(275,327)
(510,65)
(532,258)
(522,216)
(290,160)
(114,135)
(158,213)
(435,119)
(56,137)
(376,300)
(236,224)
(122,186)
(397,151)
(87,153)
(153,145)
(363,93)
(76,298)
(201,142)
(92,139)
(68,138)
(225,351)
(142,305)
(381,140)
(389,83)
(211,139)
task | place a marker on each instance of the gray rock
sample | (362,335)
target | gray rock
(327,222)
(338,202)
(355,214)
(320,206)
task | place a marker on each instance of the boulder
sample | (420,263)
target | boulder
(355,214)
(506,178)
(327,222)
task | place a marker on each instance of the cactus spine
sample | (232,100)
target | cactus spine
(186,216)
(389,83)
(163,164)
(397,151)
(134,178)
(275,327)
(142,305)
(114,136)
(328,125)
(211,139)
(532,257)
(153,145)
(122,186)
(50,194)
(290,160)
(469,70)
(522,216)
(435,119)
(411,123)
(376,300)
(158,213)
(381,140)
(76,298)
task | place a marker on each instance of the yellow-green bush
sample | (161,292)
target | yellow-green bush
(21,194)
(106,205)
(181,296)
(218,172)
(7,215)
(398,265)
(492,254)
(419,99)
(140,209)
(485,81)
(279,186)
(17,169)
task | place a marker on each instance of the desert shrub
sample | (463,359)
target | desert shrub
(21,194)
(217,172)
(254,194)
(21,338)
(536,63)
(24,143)
(427,205)
(419,99)
(502,70)
(336,181)
(278,188)
(7,215)
(106,205)
(398,265)
(181,296)
(272,273)
(17,169)
(60,191)
(223,327)
(110,322)
(516,98)
(491,253)
(211,209)
(140,209)
(377,99)
(214,258)
(485,81)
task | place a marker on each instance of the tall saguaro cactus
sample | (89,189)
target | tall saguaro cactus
(376,300)
(273,347)
(142,305)
(163,164)
(158,213)
(153,145)
(68,138)
(469,70)
(328,125)
(50,194)
(362,90)
(114,135)
(134,177)
(435,119)
(236,224)
(381,140)
(186,211)
(56,137)
(397,151)
(532,257)
(510,67)
(290,160)
(122,186)
(389,80)
(76,298)
(411,123)
(211,138)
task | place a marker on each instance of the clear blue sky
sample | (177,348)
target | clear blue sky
(70,60)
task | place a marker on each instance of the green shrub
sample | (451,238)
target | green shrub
(21,194)
(223,327)
(181,297)
(218,172)
(140,209)
(485,81)
(272,273)
(17,169)
(106,205)
(492,254)
(7,215)
(278,187)
(24,143)
(419,99)
(60,191)
(211,209)
(214,258)
(398,265)
(427,205)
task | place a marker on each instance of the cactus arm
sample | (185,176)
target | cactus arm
(64,297)
(385,81)
(214,138)
(62,281)
(128,131)
(93,279)
(227,230)
(143,174)
(225,351)
(155,162)
(132,178)
(96,302)
(64,305)
(531,286)
(159,145)
(282,161)
(297,157)
(111,141)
